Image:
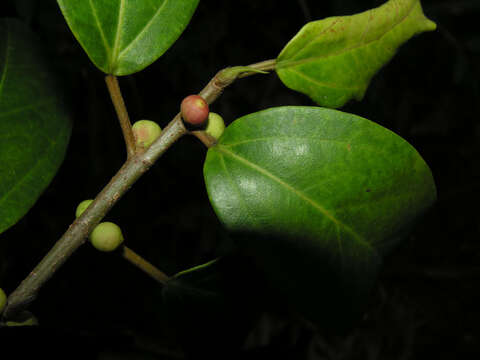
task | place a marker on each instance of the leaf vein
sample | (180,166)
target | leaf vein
(324,84)
(22,108)
(38,164)
(290,63)
(117,34)
(284,137)
(150,22)
(100,29)
(237,189)
(295,191)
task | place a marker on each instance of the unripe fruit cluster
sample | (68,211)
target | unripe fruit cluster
(106,236)
(194,110)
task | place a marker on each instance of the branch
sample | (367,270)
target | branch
(135,166)
(77,232)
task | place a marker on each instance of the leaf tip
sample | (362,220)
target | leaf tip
(430,25)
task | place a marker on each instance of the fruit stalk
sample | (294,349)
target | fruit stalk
(144,265)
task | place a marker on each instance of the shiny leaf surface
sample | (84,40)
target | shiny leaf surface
(122,37)
(317,196)
(34,122)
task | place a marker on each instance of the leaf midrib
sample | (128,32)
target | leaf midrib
(295,191)
(135,39)
(117,34)
(276,138)
(100,29)
(290,63)
(325,84)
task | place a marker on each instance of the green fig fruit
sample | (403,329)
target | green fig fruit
(194,110)
(82,207)
(146,132)
(106,236)
(215,125)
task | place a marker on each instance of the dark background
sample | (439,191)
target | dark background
(426,300)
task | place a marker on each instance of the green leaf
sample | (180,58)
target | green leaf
(34,123)
(317,196)
(212,306)
(333,60)
(122,37)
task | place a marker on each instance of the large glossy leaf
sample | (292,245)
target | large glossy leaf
(317,196)
(333,60)
(122,37)
(34,123)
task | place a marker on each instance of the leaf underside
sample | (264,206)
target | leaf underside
(317,196)
(333,60)
(122,37)
(34,123)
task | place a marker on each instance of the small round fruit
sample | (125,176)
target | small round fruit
(106,236)
(215,125)
(194,110)
(3,300)
(82,207)
(146,132)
